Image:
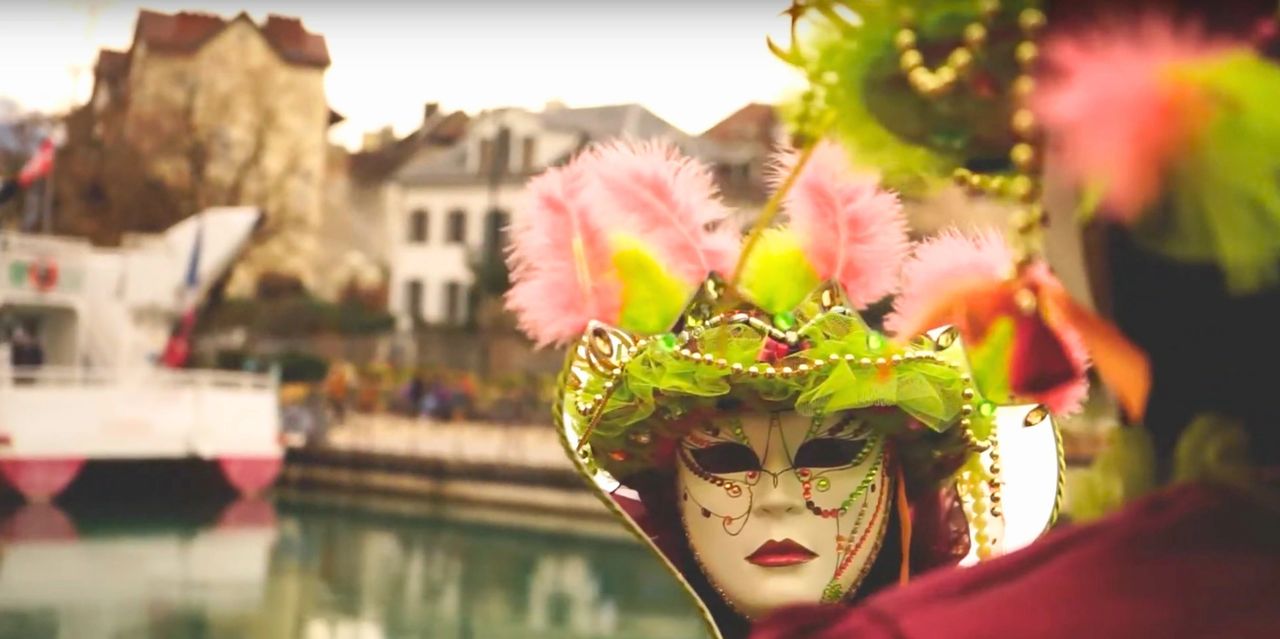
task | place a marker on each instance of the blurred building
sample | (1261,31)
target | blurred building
(738,148)
(447,207)
(371,170)
(200,111)
(434,206)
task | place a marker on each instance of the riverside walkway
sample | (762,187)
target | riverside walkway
(515,466)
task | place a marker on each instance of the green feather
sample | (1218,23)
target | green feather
(777,276)
(1224,198)
(652,298)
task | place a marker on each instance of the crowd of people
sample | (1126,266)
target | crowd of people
(440,395)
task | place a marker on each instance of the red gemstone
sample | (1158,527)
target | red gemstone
(772,351)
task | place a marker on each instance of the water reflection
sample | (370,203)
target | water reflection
(326,567)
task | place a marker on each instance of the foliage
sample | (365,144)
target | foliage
(295,366)
(297,315)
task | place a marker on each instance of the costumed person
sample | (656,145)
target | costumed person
(728,402)
(1163,128)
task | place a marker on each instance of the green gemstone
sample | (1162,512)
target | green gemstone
(667,341)
(875,341)
(987,409)
(823,484)
(784,320)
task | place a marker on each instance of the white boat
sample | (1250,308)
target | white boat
(102,318)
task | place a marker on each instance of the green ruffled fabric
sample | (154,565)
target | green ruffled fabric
(858,92)
(658,386)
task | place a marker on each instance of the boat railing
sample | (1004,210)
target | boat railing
(67,376)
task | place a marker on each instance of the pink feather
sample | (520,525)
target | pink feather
(951,262)
(853,231)
(561,272)
(1114,115)
(669,203)
(943,265)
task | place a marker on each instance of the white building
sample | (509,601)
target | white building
(446,210)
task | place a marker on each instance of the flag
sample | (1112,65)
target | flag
(39,166)
(178,348)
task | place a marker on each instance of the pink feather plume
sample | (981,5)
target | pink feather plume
(943,265)
(560,258)
(952,262)
(1115,117)
(669,203)
(853,231)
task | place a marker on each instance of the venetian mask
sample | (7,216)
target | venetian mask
(693,421)
(783,509)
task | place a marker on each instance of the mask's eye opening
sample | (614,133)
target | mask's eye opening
(828,452)
(728,404)
(725,458)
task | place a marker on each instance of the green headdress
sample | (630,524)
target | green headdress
(787,332)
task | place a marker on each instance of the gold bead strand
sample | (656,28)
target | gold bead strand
(1026,154)
(932,83)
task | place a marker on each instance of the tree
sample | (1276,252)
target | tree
(145,162)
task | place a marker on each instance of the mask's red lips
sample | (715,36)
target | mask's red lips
(775,554)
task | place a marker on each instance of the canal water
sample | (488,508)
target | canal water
(327,566)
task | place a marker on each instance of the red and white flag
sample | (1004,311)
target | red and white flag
(39,166)
(178,348)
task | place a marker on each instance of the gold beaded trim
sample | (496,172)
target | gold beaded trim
(959,62)
(1025,185)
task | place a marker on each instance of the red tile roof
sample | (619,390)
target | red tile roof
(177,33)
(294,43)
(111,64)
(450,129)
(185,33)
(370,166)
(752,123)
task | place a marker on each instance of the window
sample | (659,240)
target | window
(457,232)
(486,156)
(418,231)
(413,300)
(527,153)
(501,153)
(455,303)
(495,232)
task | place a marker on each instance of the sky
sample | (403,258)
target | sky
(692,62)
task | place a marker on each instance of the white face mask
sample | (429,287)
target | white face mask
(783,509)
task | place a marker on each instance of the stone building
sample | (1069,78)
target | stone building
(203,110)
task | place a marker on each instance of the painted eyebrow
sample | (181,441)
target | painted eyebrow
(860,431)
(699,438)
